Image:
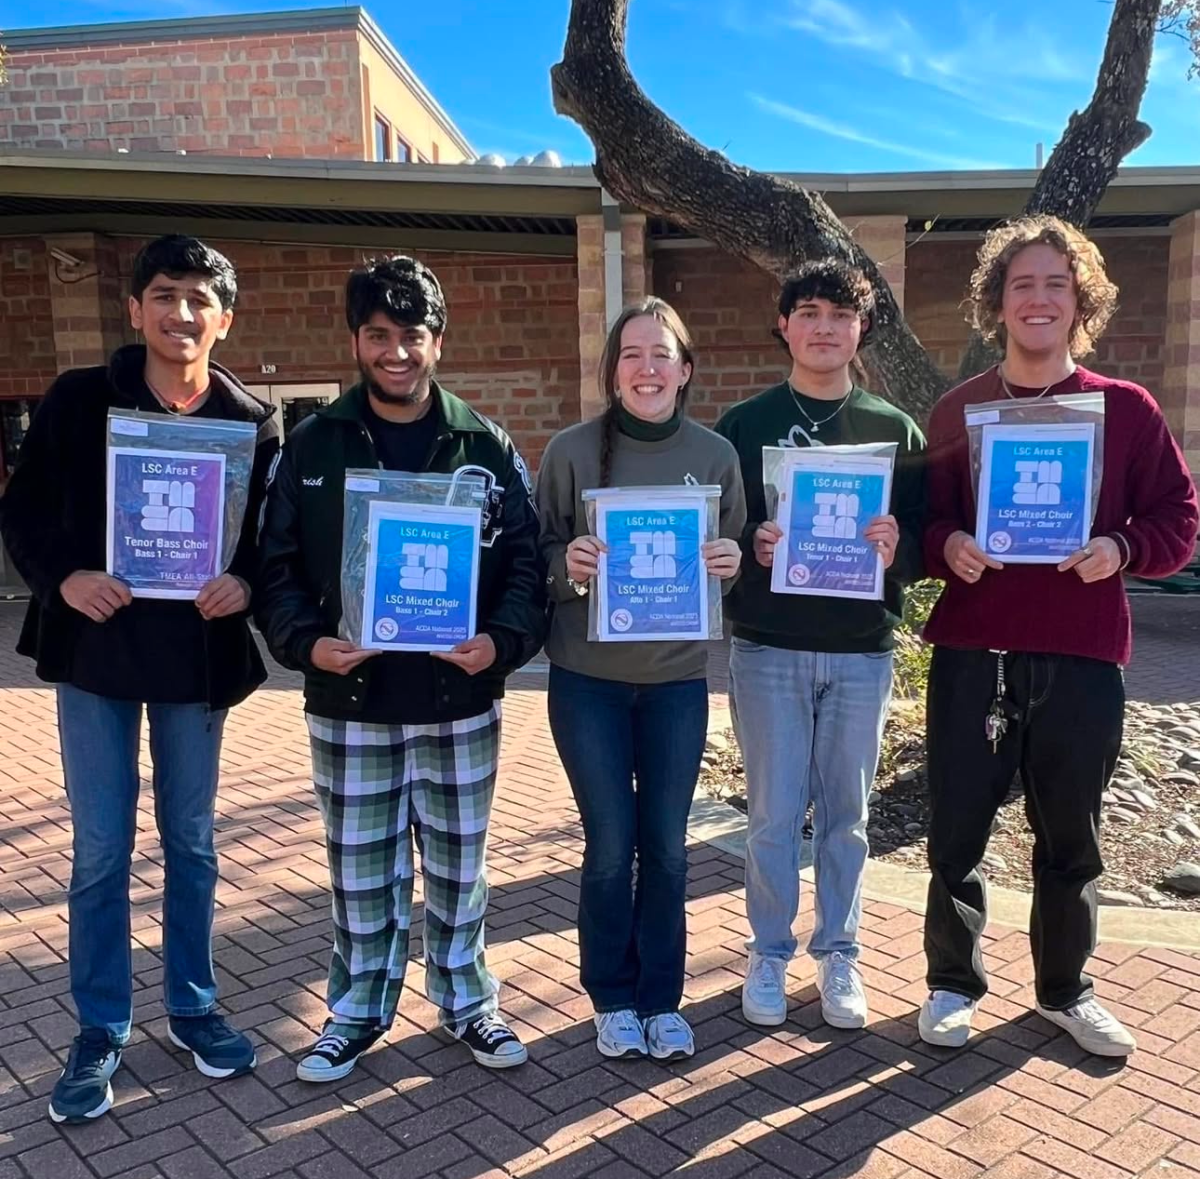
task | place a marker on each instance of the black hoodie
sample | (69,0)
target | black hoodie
(52,517)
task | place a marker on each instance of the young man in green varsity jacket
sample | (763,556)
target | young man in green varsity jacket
(404,744)
(810,677)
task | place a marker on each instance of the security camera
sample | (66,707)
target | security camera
(65,259)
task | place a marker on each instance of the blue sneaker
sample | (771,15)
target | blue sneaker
(83,1091)
(216,1048)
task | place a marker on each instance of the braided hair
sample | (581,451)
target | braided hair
(661,310)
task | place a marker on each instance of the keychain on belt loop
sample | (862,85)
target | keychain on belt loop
(995,725)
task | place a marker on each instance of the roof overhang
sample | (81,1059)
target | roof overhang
(471,206)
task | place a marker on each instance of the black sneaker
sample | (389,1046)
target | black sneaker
(337,1050)
(83,1091)
(217,1050)
(492,1042)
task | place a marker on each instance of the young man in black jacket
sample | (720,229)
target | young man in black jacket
(109,654)
(402,743)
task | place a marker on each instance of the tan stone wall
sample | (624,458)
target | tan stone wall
(592,311)
(1181,378)
(400,107)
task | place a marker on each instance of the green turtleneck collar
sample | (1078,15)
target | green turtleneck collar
(643,431)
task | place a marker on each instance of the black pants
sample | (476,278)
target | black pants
(1063,738)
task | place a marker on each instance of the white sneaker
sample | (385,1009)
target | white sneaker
(843,1000)
(669,1037)
(619,1033)
(945,1019)
(1094,1028)
(764,993)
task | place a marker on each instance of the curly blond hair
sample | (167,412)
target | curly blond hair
(1095,291)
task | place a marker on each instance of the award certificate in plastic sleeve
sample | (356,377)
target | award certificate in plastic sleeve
(165,520)
(652,583)
(422,576)
(1035,491)
(827,498)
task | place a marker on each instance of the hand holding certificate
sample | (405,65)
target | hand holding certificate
(828,498)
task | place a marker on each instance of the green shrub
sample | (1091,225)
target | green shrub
(912,652)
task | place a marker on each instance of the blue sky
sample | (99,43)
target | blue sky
(791,85)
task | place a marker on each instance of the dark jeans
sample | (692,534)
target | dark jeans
(632,937)
(1063,740)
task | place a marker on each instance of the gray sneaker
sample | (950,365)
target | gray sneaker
(619,1034)
(1093,1027)
(83,1091)
(669,1037)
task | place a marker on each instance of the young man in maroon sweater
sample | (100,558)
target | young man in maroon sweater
(1060,634)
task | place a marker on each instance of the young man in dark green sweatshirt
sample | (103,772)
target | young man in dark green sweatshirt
(810,677)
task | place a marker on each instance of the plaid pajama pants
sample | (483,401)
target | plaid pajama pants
(378,786)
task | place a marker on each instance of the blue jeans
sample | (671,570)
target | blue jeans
(632,936)
(99,738)
(809,724)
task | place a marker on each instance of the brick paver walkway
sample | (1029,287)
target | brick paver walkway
(1020,1103)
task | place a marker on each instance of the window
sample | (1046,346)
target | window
(436,153)
(404,152)
(383,139)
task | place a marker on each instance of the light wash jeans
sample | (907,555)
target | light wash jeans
(809,724)
(99,738)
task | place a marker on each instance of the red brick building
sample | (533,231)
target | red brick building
(535,261)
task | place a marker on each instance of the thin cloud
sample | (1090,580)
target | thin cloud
(854,135)
(895,43)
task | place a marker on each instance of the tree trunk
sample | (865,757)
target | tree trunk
(648,161)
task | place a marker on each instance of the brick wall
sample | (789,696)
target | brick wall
(27,357)
(1132,348)
(284,94)
(512,347)
(729,307)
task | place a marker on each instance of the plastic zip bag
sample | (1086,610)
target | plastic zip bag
(652,584)
(823,497)
(1037,465)
(177,489)
(410,559)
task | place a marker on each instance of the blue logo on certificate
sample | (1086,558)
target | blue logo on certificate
(1035,491)
(422,577)
(166,516)
(825,548)
(653,583)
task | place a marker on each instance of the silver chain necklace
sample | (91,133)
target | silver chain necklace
(816,425)
(1010,393)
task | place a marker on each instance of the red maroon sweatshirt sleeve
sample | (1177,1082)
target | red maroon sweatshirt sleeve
(948,483)
(1161,498)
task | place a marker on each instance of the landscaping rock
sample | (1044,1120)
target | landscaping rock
(1184,877)
(1111,896)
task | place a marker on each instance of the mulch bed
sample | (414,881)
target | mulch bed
(1151,814)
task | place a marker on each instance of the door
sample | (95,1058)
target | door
(296,402)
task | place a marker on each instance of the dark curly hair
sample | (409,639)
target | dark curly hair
(1095,291)
(834,281)
(405,290)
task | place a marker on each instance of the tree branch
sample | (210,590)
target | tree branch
(646,160)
